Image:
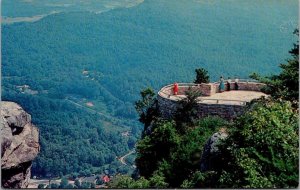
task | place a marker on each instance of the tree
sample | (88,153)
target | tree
(201,76)
(185,158)
(131,142)
(41,186)
(262,149)
(64,183)
(199,180)
(123,181)
(186,113)
(120,181)
(123,169)
(77,183)
(286,84)
(85,185)
(158,181)
(147,108)
(75,175)
(155,147)
(99,181)
(54,186)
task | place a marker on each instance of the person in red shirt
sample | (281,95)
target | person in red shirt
(175,89)
(106,179)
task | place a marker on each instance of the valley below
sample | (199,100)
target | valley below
(78,68)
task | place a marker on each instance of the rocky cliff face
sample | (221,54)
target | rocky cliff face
(19,145)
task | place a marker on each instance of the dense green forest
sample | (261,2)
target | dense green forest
(84,70)
(86,149)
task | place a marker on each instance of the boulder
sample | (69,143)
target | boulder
(210,155)
(19,145)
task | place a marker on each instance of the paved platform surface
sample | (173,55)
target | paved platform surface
(233,97)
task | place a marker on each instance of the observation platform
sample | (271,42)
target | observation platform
(227,104)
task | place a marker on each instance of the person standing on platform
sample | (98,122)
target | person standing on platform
(175,88)
(228,84)
(222,85)
(236,86)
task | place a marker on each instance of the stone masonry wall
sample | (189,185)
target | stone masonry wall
(205,89)
(168,107)
(208,89)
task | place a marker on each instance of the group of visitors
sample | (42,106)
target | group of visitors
(221,86)
(228,84)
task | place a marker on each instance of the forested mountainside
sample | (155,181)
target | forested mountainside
(79,73)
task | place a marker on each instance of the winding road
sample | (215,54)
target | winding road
(122,159)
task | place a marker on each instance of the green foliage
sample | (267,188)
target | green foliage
(199,180)
(260,152)
(147,107)
(54,186)
(158,181)
(186,113)
(201,76)
(286,84)
(121,181)
(41,186)
(131,142)
(186,157)
(99,182)
(64,183)
(169,156)
(156,146)
(123,169)
(72,140)
(85,185)
(77,183)
(263,148)
(124,181)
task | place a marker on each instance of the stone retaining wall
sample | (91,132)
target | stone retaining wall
(168,107)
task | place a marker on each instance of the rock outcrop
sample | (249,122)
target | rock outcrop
(210,156)
(19,145)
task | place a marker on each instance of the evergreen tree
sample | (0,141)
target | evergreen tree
(186,113)
(201,76)
(147,108)
(155,147)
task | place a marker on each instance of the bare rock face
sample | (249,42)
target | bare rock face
(19,145)
(210,156)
